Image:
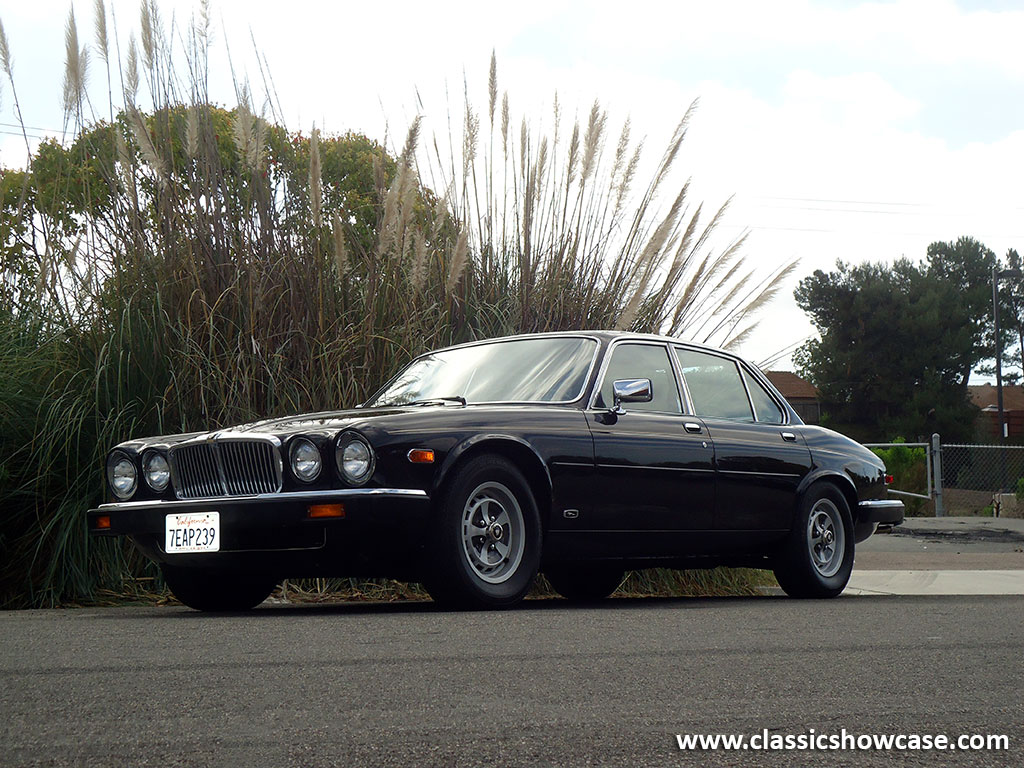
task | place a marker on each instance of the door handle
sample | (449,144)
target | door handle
(789,437)
(692,427)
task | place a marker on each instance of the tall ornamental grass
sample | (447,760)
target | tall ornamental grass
(173,266)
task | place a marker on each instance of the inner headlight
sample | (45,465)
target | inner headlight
(156,470)
(354,458)
(306,460)
(121,475)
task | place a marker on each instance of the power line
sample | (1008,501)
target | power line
(19,126)
(840,202)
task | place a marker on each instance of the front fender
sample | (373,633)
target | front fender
(499,440)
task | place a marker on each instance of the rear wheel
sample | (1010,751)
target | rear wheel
(212,590)
(817,559)
(584,583)
(485,548)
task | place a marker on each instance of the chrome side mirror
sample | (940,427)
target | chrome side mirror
(630,391)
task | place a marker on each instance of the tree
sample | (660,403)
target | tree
(898,343)
(1013,290)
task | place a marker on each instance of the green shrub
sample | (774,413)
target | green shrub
(188,267)
(909,468)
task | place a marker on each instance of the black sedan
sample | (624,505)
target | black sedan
(579,455)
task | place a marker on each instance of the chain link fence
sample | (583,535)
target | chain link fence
(954,478)
(910,465)
(972,476)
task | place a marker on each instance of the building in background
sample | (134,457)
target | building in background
(801,394)
(986,398)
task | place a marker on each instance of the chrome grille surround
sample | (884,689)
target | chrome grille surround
(226,464)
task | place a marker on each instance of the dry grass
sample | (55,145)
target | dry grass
(176,266)
(719,582)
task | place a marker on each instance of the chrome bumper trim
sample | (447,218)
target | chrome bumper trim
(880,504)
(269,498)
(889,511)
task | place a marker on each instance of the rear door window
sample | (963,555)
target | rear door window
(714,385)
(766,410)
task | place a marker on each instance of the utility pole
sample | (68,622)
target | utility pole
(996,276)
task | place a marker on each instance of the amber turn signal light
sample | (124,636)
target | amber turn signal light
(421,456)
(327,510)
(103,521)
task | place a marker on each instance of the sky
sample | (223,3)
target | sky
(842,130)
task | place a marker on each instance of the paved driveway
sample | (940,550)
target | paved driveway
(547,684)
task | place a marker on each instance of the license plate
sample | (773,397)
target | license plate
(193,532)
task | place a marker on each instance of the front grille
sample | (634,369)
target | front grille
(227,468)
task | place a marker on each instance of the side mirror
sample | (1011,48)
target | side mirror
(630,391)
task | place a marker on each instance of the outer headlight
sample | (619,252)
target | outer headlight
(306,461)
(121,475)
(156,470)
(354,458)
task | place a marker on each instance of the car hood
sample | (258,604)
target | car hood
(326,421)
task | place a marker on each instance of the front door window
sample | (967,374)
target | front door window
(642,361)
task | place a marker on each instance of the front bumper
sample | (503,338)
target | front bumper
(888,511)
(275,532)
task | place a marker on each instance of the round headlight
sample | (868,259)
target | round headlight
(306,460)
(121,475)
(355,459)
(156,470)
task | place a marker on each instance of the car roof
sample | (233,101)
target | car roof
(606,336)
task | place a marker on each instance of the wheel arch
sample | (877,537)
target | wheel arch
(517,450)
(837,479)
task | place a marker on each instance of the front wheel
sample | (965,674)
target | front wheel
(817,559)
(212,590)
(485,548)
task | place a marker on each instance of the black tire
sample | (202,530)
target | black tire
(584,583)
(211,590)
(817,559)
(474,562)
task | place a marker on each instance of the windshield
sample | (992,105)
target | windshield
(546,370)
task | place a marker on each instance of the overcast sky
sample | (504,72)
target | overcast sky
(853,131)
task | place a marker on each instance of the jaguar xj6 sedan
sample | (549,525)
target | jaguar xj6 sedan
(578,455)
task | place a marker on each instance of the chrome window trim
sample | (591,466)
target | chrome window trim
(414,493)
(744,368)
(649,342)
(745,371)
(503,340)
(768,387)
(681,381)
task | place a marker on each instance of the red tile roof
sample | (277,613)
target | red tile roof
(984,396)
(792,386)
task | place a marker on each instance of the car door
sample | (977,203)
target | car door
(654,464)
(760,460)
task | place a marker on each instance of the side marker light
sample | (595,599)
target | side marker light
(326,510)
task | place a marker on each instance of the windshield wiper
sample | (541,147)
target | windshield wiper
(438,400)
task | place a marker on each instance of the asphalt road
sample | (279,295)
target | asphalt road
(547,684)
